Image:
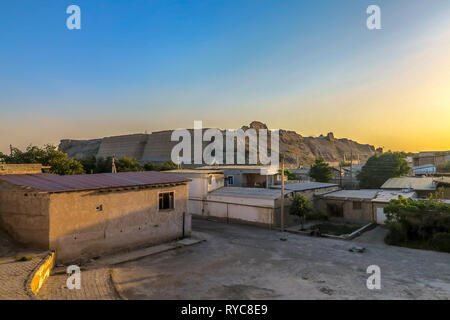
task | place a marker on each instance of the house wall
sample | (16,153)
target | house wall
(129,218)
(24,215)
(20,168)
(309,194)
(245,210)
(199,186)
(363,215)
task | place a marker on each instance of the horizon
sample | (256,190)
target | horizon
(312,68)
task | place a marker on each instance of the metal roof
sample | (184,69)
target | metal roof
(415,183)
(304,186)
(261,193)
(195,171)
(364,194)
(264,170)
(80,182)
(385,196)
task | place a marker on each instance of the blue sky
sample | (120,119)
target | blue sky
(152,65)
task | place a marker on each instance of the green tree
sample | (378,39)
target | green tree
(168,165)
(149,166)
(444,167)
(320,171)
(127,164)
(423,223)
(381,167)
(89,164)
(300,207)
(289,174)
(103,165)
(59,162)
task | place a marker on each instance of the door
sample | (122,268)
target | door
(381,216)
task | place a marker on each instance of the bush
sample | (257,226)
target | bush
(396,235)
(441,241)
(317,215)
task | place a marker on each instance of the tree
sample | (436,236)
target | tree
(381,167)
(320,171)
(444,167)
(168,165)
(425,223)
(149,166)
(288,173)
(89,164)
(59,162)
(127,164)
(103,165)
(300,207)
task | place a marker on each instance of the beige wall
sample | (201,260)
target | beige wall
(129,218)
(363,215)
(20,168)
(24,215)
(309,194)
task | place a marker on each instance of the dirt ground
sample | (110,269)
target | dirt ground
(244,262)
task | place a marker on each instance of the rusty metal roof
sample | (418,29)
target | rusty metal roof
(80,182)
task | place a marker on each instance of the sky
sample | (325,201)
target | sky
(148,65)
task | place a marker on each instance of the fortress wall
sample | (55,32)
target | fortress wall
(159,146)
(128,145)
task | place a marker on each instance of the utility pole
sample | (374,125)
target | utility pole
(282,195)
(351,167)
(113,165)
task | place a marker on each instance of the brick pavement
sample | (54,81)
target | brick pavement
(96,284)
(14,274)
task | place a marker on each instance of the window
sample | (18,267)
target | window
(356,205)
(166,200)
(230,180)
(335,210)
(99,208)
(210,180)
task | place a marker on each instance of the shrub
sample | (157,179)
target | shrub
(317,215)
(441,241)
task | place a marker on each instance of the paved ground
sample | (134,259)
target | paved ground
(242,262)
(95,285)
(14,274)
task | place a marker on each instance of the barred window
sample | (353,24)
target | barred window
(166,200)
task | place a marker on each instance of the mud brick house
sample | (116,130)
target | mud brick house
(83,216)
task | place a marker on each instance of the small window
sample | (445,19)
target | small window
(99,208)
(356,205)
(230,180)
(166,200)
(210,180)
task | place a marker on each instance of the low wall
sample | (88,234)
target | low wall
(40,274)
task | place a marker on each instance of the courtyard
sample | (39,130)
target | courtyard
(244,262)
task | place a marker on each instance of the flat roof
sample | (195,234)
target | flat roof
(80,182)
(415,183)
(195,171)
(260,193)
(385,196)
(364,194)
(260,168)
(442,180)
(305,186)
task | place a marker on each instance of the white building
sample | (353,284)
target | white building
(201,182)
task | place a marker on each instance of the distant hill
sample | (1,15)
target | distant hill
(156,147)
